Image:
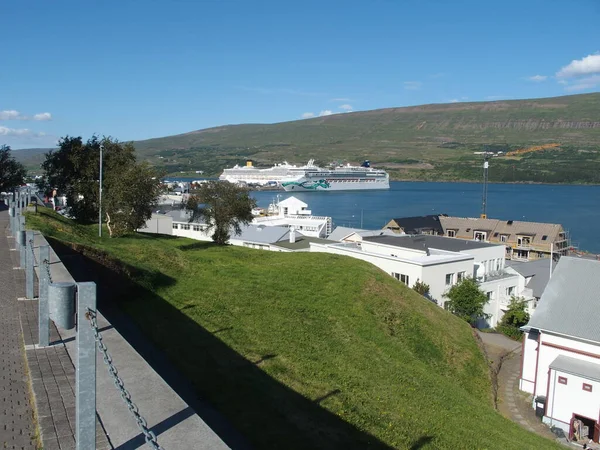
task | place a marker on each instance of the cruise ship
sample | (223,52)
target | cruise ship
(249,174)
(342,178)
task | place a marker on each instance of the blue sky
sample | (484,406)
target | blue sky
(142,69)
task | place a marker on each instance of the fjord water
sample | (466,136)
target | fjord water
(576,207)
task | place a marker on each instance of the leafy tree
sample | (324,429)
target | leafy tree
(12,172)
(422,288)
(466,300)
(130,196)
(222,206)
(129,189)
(515,317)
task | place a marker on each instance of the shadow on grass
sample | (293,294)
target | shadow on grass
(267,413)
(421,442)
(201,245)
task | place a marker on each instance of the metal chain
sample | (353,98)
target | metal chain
(125,395)
(32,252)
(47,264)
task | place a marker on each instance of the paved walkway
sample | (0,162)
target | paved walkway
(17,429)
(512,403)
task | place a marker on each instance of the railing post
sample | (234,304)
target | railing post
(22,248)
(29,264)
(12,214)
(44,312)
(61,303)
(85,394)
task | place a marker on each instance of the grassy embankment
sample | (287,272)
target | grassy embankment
(307,350)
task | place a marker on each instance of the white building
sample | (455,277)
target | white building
(561,349)
(438,261)
(176,223)
(293,212)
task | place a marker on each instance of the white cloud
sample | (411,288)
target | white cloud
(538,78)
(453,100)
(580,67)
(4,131)
(16,115)
(10,115)
(584,83)
(326,112)
(43,116)
(340,99)
(308,115)
(437,75)
(346,107)
(496,97)
(412,85)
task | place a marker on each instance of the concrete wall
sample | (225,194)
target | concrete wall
(564,400)
(435,277)
(158,224)
(528,362)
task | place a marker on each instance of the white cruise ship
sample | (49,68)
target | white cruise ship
(249,174)
(344,178)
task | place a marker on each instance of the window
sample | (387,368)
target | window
(196,227)
(449,278)
(460,276)
(480,235)
(489,295)
(175,226)
(185,226)
(544,237)
(510,291)
(562,380)
(504,237)
(401,277)
(496,234)
(451,233)
(587,387)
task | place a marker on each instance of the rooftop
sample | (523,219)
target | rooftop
(423,241)
(578,367)
(538,270)
(302,242)
(414,225)
(569,304)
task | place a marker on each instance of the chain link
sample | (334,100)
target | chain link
(125,395)
(46,263)
(32,252)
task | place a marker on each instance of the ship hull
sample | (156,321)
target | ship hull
(307,185)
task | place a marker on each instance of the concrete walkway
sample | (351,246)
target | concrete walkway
(17,429)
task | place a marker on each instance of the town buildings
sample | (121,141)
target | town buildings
(438,261)
(561,349)
(524,241)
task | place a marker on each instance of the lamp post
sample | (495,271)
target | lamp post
(100,197)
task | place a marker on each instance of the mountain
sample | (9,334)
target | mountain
(428,142)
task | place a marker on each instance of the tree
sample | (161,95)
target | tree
(129,189)
(130,196)
(422,288)
(12,172)
(221,205)
(514,318)
(466,300)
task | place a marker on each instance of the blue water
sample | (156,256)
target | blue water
(577,208)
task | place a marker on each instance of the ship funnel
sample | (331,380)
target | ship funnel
(292,235)
(249,163)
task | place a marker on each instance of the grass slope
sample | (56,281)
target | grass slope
(308,350)
(429,142)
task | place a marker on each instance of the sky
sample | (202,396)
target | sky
(141,69)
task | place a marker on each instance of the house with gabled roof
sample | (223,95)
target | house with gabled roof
(416,225)
(561,349)
(524,241)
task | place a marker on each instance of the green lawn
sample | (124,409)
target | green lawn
(303,351)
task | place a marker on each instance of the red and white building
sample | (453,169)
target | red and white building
(561,349)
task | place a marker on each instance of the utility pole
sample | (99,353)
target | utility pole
(486,164)
(100,196)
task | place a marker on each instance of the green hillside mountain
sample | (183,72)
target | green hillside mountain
(429,142)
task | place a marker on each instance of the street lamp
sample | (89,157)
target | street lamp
(100,196)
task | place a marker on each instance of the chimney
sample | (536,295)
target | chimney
(292,235)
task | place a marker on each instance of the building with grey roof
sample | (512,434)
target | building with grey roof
(561,349)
